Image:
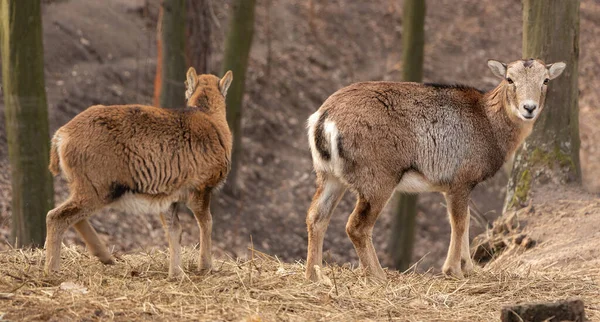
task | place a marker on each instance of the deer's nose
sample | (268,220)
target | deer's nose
(530,107)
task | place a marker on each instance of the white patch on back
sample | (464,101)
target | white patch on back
(330,133)
(414,182)
(318,163)
(60,140)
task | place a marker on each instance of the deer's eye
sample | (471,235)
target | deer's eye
(509,80)
(546,81)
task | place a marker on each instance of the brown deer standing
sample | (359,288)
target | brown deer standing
(377,137)
(143,159)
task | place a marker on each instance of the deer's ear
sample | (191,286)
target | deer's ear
(498,68)
(190,83)
(554,70)
(225,82)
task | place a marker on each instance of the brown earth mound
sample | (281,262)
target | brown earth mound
(564,226)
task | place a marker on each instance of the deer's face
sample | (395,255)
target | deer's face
(526,82)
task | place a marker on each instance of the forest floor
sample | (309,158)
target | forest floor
(263,288)
(563,264)
(104,53)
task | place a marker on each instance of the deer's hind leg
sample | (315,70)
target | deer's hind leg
(58,220)
(360,228)
(95,246)
(170,221)
(329,192)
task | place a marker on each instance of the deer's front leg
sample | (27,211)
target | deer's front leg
(466,261)
(457,202)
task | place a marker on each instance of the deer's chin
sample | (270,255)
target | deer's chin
(527,117)
(524,115)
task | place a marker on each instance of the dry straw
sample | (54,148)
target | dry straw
(265,289)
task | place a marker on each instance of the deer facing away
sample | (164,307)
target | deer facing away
(377,137)
(143,159)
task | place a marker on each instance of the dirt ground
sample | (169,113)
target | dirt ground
(104,53)
(564,225)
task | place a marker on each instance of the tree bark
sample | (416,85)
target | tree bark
(169,82)
(551,153)
(403,230)
(26,119)
(413,40)
(169,90)
(198,31)
(237,50)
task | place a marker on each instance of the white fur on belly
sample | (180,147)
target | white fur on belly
(139,204)
(414,182)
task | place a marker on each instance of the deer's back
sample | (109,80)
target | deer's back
(438,132)
(144,149)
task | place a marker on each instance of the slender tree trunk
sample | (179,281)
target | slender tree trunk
(403,230)
(26,119)
(551,153)
(169,90)
(198,35)
(413,40)
(237,50)
(169,83)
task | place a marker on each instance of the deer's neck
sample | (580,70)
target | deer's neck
(509,131)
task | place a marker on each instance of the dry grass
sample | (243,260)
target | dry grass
(136,288)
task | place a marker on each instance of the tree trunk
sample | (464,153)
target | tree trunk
(413,40)
(169,83)
(26,119)
(169,90)
(237,50)
(198,35)
(551,153)
(403,230)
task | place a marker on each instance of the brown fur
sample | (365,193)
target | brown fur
(143,159)
(376,137)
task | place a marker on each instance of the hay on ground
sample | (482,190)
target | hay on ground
(136,288)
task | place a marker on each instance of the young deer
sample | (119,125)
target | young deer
(143,159)
(377,137)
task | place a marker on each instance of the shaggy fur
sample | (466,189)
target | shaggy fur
(143,159)
(377,137)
